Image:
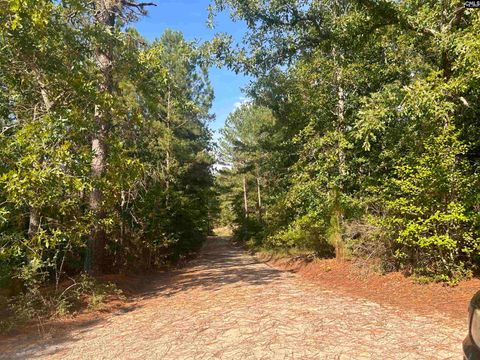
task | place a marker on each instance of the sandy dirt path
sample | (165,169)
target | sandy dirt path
(228,305)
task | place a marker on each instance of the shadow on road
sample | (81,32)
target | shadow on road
(218,264)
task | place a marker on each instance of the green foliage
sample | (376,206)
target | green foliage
(151,109)
(305,233)
(40,304)
(374,147)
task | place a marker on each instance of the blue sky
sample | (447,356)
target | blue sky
(190,17)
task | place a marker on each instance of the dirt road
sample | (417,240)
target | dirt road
(227,305)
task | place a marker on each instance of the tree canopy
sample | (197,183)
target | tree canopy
(105,151)
(373,150)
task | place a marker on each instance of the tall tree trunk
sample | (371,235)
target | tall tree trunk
(340,115)
(106,11)
(43,91)
(337,214)
(245,202)
(167,155)
(35,214)
(33,222)
(259,200)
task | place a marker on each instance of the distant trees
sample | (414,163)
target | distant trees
(375,108)
(104,146)
(246,131)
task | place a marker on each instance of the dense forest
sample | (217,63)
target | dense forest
(361,136)
(105,152)
(360,139)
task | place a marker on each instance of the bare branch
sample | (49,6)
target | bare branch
(141,5)
(6,128)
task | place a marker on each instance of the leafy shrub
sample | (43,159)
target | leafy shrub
(37,303)
(250,232)
(306,233)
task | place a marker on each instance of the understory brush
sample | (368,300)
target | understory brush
(39,303)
